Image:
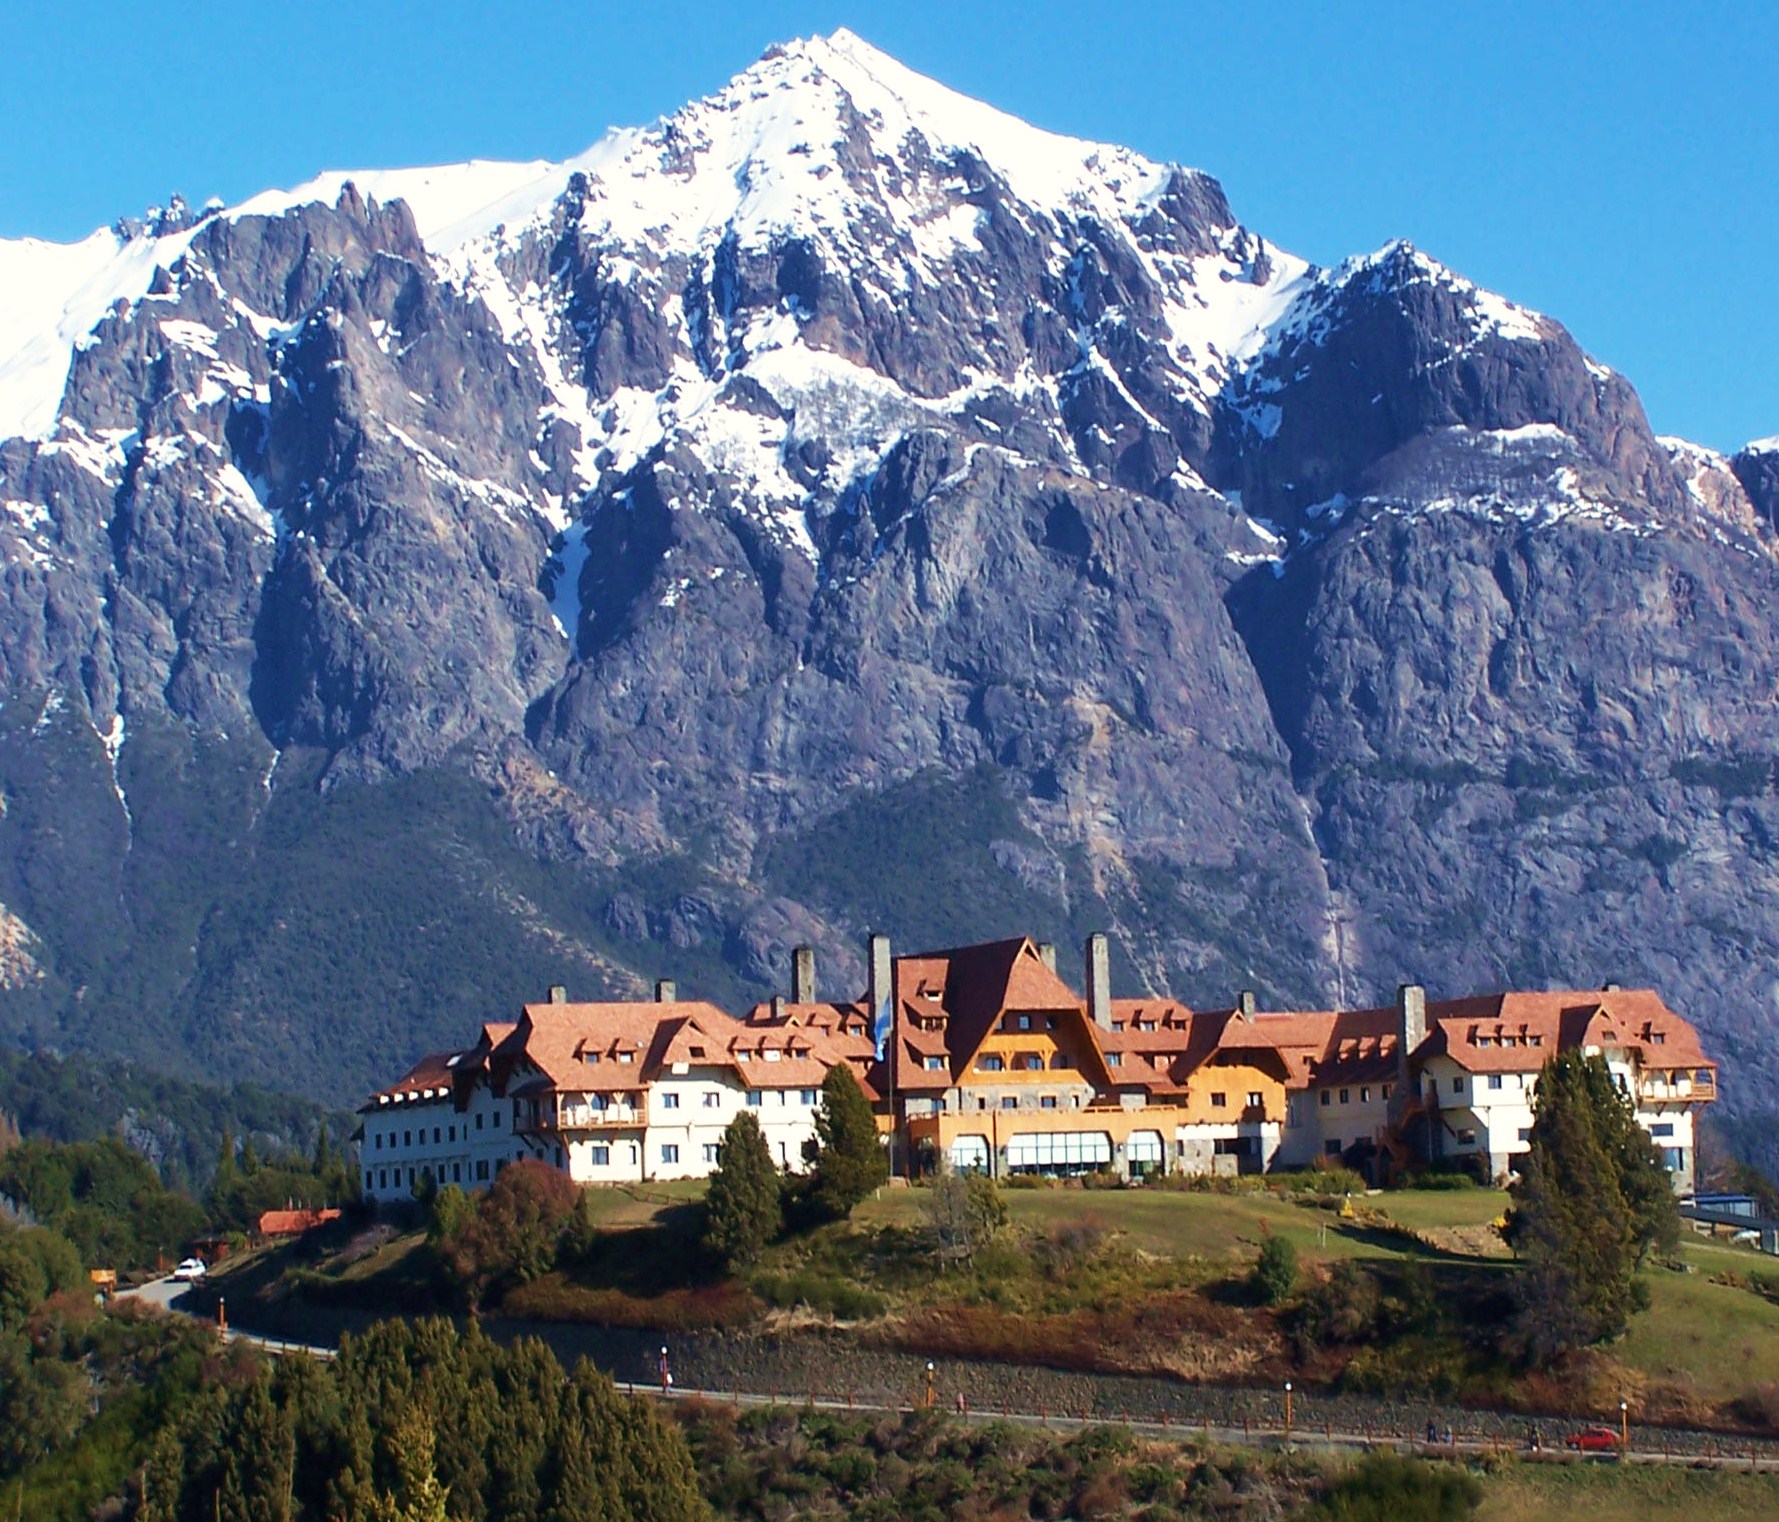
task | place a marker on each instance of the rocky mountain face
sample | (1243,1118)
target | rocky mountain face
(841,505)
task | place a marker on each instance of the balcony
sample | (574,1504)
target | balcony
(573,1117)
(1699,1085)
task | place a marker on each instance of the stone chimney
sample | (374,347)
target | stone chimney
(1099,980)
(1411,1026)
(665,992)
(1246,1003)
(1609,987)
(558,993)
(803,975)
(1047,954)
(778,1006)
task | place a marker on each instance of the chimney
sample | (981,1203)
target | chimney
(558,993)
(1609,987)
(778,1006)
(803,975)
(1099,980)
(1246,1003)
(1047,954)
(665,992)
(1411,1025)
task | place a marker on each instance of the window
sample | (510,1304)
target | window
(1458,1085)
(482,1170)
(1255,1099)
(494,1120)
(806,1096)
(589,1056)
(1665,1129)
(1332,1146)
(753,1098)
(453,1131)
(599,1157)
(1008,1102)
(1025,1022)
(1326,1099)
(712,1151)
(989,1063)
(1346,1096)
(1466,1137)
(1062,1060)
(379,1141)
(744,1056)
(1047,1102)
(435,1136)
(382,1178)
(935,1064)
(670,1101)
(1658,1038)
(478,1121)
(1525,1133)
(1365,1096)
(407,1138)
(456,1173)
(712,1099)
(1386,1091)
(626,1056)
(1029,1062)
(1219,1101)
(1114,1059)
(670,1153)
(1494,1080)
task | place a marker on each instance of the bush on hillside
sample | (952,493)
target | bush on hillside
(1275,1271)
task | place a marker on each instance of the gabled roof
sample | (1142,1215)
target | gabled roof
(1517,1032)
(966,990)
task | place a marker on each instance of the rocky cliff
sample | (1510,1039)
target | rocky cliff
(835,505)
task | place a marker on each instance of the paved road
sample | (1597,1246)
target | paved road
(171,1295)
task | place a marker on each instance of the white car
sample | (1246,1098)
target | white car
(189,1271)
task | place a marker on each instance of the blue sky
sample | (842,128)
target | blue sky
(1615,166)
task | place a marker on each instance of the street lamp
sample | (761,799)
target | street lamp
(1624,1427)
(666,1372)
(1287,1411)
(929,1384)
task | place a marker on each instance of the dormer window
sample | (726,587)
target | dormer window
(626,1057)
(589,1057)
(697,1051)
(744,1056)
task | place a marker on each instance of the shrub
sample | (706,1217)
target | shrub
(1275,1271)
(1385,1488)
(826,1294)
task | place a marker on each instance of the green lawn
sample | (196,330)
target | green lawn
(1215,1227)
(1585,1492)
(1721,1339)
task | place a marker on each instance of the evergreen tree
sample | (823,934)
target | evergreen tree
(249,1157)
(225,1165)
(743,1210)
(418,1495)
(1591,1202)
(850,1160)
(1275,1271)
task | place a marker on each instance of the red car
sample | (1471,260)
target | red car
(1593,1440)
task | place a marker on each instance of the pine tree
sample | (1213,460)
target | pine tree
(418,1495)
(1586,1210)
(225,1164)
(850,1161)
(743,1211)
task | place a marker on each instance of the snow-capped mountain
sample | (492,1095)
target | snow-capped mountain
(743,492)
